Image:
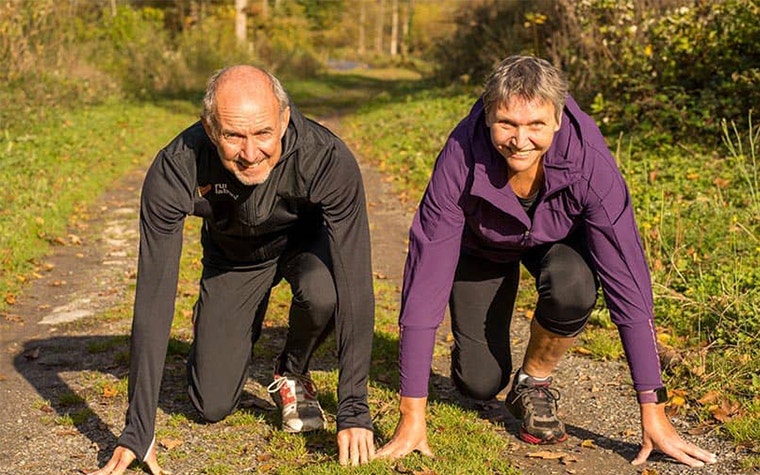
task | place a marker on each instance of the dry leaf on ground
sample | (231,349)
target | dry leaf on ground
(170,444)
(547,455)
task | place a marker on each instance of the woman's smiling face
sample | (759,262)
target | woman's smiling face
(522,131)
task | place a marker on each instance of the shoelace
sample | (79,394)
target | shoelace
(305,381)
(544,403)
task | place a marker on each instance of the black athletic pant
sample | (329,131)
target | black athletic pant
(483,298)
(229,314)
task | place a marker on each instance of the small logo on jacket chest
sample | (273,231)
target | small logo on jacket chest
(219,189)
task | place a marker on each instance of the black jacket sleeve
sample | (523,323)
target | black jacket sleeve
(337,187)
(166,200)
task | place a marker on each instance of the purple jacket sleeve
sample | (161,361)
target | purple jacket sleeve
(621,265)
(434,245)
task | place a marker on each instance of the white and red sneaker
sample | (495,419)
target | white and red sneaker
(296,396)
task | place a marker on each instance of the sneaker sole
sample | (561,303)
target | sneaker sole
(532,439)
(291,430)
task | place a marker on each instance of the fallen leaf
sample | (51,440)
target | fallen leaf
(720,415)
(547,455)
(721,183)
(649,471)
(12,318)
(669,357)
(701,429)
(726,411)
(588,444)
(677,400)
(710,397)
(263,457)
(10,299)
(170,444)
(629,433)
(75,240)
(110,391)
(582,350)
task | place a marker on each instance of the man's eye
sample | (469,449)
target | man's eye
(232,138)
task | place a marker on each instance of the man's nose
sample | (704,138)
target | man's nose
(248,151)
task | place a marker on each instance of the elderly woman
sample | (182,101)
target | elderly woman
(526,178)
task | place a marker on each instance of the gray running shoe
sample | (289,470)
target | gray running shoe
(296,396)
(535,404)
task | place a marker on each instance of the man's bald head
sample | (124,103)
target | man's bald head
(245,78)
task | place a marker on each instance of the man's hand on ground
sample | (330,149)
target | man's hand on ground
(356,446)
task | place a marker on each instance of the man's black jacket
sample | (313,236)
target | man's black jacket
(315,182)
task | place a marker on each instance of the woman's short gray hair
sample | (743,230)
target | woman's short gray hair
(209,99)
(526,77)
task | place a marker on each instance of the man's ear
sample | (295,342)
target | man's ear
(284,120)
(208,129)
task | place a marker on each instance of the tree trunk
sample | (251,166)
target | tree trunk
(241,20)
(406,27)
(394,28)
(362,47)
(380,26)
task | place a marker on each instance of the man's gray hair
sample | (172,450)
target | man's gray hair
(526,77)
(209,99)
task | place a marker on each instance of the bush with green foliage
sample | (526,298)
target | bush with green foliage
(671,70)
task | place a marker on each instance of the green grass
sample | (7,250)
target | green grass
(53,168)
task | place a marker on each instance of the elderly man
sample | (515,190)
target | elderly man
(526,178)
(281,197)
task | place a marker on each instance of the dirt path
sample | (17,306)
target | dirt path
(91,272)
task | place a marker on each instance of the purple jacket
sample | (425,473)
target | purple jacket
(469,207)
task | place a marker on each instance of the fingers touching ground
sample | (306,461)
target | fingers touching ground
(356,446)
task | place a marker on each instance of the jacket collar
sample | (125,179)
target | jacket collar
(290,141)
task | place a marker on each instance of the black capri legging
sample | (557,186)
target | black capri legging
(483,298)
